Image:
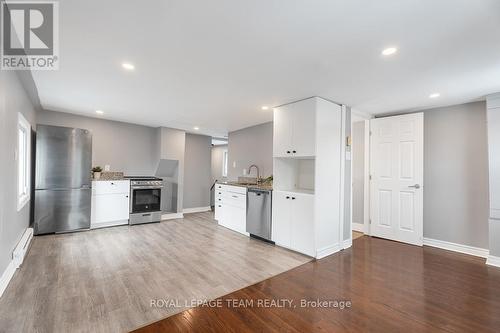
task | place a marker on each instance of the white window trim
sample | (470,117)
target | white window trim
(225,162)
(23,198)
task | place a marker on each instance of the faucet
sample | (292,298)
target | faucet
(258,172)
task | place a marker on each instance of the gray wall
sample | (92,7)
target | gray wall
(13,99)
(456,174)
(252,145)
(125,147)
(197,171)
(217,163)
(137,150)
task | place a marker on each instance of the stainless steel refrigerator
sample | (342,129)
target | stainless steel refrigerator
(62,179)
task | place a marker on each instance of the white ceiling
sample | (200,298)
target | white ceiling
(213,64)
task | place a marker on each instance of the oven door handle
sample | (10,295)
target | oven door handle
(146,187)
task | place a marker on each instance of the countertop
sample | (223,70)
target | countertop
(249,186)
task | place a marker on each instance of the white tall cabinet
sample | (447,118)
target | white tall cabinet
(308,157)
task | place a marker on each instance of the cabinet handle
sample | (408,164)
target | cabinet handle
(235,196)
(288,152)
(112,183)
(220,206)
(294,151)
(126,196)
(293,198)
(287,197)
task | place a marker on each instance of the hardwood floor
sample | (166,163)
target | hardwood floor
(393,287)
(357,234)
(105,280)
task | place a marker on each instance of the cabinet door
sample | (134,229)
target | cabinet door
(282,135)
(303,116)
(239,219)
(110,208)
(218,211)
(302,230)
(281,218)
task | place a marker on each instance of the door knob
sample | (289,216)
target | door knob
(416,186)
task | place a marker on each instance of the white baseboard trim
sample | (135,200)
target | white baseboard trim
(347,243)
(18,256)
(172,216)
(108,224)
(196,210)
(493,261)
(358,227)
(466,249)
(327,250)
(7,276)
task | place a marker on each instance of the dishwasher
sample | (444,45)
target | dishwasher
(259,205)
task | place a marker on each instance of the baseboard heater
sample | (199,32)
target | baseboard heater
(22,248)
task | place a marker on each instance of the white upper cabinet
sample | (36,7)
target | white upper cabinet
(282,139)
(303,116)
(294,129)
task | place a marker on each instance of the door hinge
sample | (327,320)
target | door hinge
(370,177)
(370,221)
(370,132)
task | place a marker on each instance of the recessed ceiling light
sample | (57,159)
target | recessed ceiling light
(196,128)
(389,51)
(434,95)
(99,112)
(265,107)
(128,66)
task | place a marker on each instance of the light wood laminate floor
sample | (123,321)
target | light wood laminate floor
(104,280)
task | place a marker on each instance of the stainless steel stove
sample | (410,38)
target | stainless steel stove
(145,199)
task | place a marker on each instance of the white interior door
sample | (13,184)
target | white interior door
(397,170)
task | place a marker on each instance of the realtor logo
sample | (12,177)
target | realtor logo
(30,36)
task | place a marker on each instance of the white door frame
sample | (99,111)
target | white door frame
(361,116)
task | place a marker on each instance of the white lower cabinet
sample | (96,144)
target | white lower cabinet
(110,203)
(293,220)
(231,207)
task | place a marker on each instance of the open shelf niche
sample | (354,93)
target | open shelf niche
(294,175)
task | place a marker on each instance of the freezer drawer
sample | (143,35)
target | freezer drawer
(62,210)
(259,204)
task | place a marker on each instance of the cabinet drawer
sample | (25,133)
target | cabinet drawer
(111,187)
(237,200)
(230,188)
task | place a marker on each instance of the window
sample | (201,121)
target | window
(23,155)
(224,163)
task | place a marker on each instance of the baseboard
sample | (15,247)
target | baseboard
(18,255)
(22,247)
(466,249)
(347,243)
(493,261)
(7,276)
(196,210)
(327,250)
(108,224)
(358,227)
(172,216)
